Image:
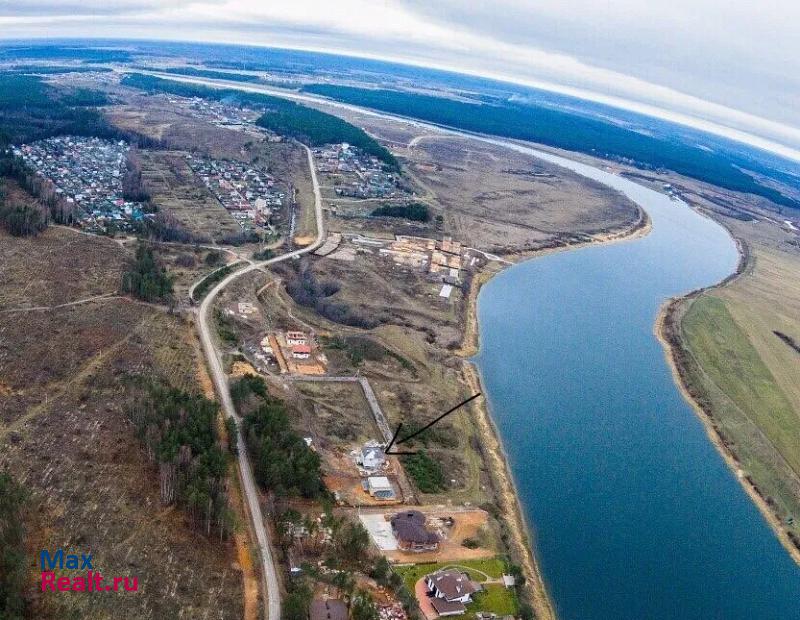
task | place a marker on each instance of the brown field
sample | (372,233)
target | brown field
(502,201)
(29,266)
(176,189)
(65,437)
(495,199)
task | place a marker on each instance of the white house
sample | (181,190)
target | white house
(371,456)
(295,338)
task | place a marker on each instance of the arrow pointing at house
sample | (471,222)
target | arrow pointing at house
(396,442)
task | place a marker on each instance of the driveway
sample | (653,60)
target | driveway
(421,592)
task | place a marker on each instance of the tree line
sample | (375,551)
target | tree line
(177,429)
(280,115)
(145,278)
(282,461)
(415,211)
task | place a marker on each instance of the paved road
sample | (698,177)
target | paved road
(204,324)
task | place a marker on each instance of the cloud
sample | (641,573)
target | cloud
(730,64)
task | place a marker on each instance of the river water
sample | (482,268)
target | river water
(635,514)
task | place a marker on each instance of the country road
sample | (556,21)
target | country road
(542,604)
(269,573)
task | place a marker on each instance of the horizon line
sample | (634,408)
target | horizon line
(713,127)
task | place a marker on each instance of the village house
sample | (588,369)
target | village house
(409,529)
(371,456)
(301,352)
(452,590)
(295,338)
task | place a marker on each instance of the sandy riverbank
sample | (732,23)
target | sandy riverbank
(470,341)
(667,331)
(520,535)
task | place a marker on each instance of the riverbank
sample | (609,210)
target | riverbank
(471,340)
(520,534)
(667,330)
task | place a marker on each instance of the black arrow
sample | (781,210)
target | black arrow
(387,449)
(396,441)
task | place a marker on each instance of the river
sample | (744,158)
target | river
(636,516)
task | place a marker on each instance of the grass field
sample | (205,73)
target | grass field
(495,598)
(733,364)
(744,376)
(476,569)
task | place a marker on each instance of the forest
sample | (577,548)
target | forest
(145,278)
(177,431)
(560,129)
(282,116)
(282,462)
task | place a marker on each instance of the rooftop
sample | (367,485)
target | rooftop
(452,584)
(409,526)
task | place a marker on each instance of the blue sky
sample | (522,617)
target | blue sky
(725,65)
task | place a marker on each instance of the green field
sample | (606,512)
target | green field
(495,598)
(477,569)
(733,364)
(749,407)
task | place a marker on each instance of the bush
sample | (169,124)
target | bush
(415,211)
(426,473)
(185,260)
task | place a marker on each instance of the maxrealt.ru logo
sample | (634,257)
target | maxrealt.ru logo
(90,581)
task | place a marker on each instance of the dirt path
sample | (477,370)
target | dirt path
(89,368)
(78,302)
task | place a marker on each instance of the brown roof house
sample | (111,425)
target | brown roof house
(451,589)
(328,610)
(409,529)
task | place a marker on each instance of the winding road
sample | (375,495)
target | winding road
(269,575)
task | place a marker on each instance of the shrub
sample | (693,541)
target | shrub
(426,472)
